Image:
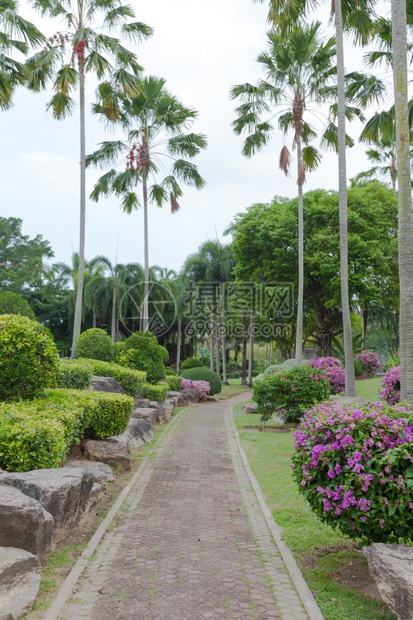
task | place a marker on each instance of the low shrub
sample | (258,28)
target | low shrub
(293,390)
(234,375)
(170,372)
(73,375)
(29,360)
(191,362)
(392,360)
(332,369)
(354,466)
(141,351)
(370,361)
(95,344)
(131,380)
(11,303)
(155,391)
(358,367)
(38,434)
(175,383)
(274,368)
(204,374)
(202,388)
(391,386)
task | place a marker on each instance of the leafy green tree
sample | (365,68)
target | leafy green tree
(16,35)
(155,123)
(265,245)
(85,47)
(11,303)
(21,258)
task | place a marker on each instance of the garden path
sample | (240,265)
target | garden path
(190,541)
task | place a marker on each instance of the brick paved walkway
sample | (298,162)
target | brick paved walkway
(191,541)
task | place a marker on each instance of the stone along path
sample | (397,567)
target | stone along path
(190,540)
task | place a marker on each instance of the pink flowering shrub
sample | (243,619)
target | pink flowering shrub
(202,388)
(369,360)
(355,468)
(293,390)
(391,386)
(333,369)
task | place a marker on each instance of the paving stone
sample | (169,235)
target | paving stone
(187,544)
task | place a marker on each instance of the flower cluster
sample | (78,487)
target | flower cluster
(333,369)
(355,467)
(202,388)
(369,360)
(391,386)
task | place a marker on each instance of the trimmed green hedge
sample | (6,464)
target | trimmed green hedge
(132,381)
(175,383)
(38,434)
(191,362)
(155,391)
(95,344)
(204,374)
(73,375)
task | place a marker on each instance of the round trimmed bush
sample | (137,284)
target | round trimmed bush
(95,344)
(169,372)
(29,360)
(11,303)
(141,351)
(354,466)
(191,362)
(204,374)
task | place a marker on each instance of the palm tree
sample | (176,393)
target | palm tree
(154,119)
(398,10)
(299,68)
(16,35)
(384,158)
(66,59)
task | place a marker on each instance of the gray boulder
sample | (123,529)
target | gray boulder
(138,433)
(174,397)
(112,451)
(145,413)
(161,417)
(106,384)
(19,581)
(168,407)
(142,402)
(24,523)
(189,396)
(63,492)
(101,472)
(392,569)
(250,408)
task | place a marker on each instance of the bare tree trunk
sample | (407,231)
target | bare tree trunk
(178,346)
(342,191)
(212,365)
(79,293)
(365,319)
(399,31)
(218,338)
(94,321)
(224,339)
(113,328)
(251,359)
(299,332)
(244,349)
(145,323)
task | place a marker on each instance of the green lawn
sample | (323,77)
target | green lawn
(369,388)
(331,563)
(233,389)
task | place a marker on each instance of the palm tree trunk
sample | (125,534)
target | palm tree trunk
(178,346)
(145,324)
(79,293)
(113,328)
(224,340)
(212,365)
(218,339)
(94,321)
(299,332)
(244,349)
(251,359)
(405,198)
(365,321)
(342,190)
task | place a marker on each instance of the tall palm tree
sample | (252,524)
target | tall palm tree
(299,68)
(384,159)
(398,10)
(68,56)
(16,35)
(359,19)
(155,123)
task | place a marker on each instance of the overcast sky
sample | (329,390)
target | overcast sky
(201,49)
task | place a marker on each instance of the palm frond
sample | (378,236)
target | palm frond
(285,160)
(103,187)
(188,172)
(188,144)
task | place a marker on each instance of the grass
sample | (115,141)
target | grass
(233,389)
(332,565)
(369,388)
